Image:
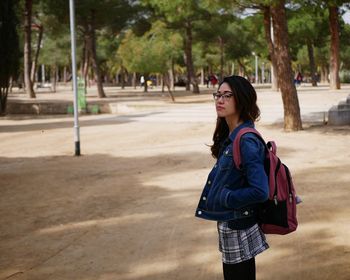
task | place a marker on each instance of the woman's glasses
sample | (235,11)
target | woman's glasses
(226,96)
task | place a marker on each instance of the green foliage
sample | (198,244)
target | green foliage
(308,24)
(145,36)
(151,53)
(177,12)
(56,52)
(112,13)
(345,50)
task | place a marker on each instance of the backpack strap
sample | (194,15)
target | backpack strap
(236,144)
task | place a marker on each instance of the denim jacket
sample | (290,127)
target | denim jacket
(230,194)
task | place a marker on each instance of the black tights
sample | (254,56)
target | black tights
(240,271)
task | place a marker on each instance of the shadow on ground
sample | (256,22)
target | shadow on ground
(67,122)
(104,217)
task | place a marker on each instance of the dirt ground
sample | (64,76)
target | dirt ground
(125,208)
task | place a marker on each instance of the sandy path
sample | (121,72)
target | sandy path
(124,210)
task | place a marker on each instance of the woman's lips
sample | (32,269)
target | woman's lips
(219,108)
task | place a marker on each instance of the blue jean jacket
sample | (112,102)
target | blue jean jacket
(230,194)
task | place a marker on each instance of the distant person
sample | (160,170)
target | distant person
(142,81)
(230,197)
(213,80)
(298,79)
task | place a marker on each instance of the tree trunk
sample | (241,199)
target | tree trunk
(202,76)
(189,62)
(27,48)
(53,78)
(324,74)
(37,51)
(85,62)
(188,82)
(122,73)
(93,55)
(3,100)
(134,80)
(310,50)
(167,82)
(145,88)
(334,52)
(241,68)
(292,119)
(10,84)
(270,44)
(65,75)
(171,76)
(162,83)
(221,45)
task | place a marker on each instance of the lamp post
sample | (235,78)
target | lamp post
(74,78)
(256,68)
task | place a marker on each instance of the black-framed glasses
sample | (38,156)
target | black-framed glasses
(226,96)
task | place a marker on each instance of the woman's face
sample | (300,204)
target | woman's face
(225,102)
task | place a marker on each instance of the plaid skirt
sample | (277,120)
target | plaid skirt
(240,245)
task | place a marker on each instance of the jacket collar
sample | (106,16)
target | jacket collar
(233,134)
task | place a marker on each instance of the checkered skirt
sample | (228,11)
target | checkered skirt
(240,245)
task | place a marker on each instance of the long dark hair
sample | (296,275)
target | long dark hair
(245,99)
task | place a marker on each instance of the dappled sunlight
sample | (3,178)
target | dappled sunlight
(271,256)
(125,209)
(150,268)
(340,232)
(127,219)
(203,257)
(180,180)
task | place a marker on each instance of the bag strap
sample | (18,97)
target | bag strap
(236,144)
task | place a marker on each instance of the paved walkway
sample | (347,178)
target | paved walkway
(314,103)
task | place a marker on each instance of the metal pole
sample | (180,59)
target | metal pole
(74,78)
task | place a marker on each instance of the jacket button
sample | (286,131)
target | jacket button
(226,152)
(209,182)
(204,198)
(246,213)
(199,212)
(215,165)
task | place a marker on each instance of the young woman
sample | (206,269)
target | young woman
(231,197)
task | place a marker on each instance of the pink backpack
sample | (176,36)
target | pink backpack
(278,214)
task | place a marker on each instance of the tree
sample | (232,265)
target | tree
(91,18)
(279,54)
(56,53)
(345,50)
(9,48)
(292,119)
(182,15)
(227,38)
(334,62)
(307,27)
(333,7)
(153,52)
(28,4)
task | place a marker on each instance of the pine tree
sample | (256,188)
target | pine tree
(9,49)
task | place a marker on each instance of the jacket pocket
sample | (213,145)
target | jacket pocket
(226,160)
